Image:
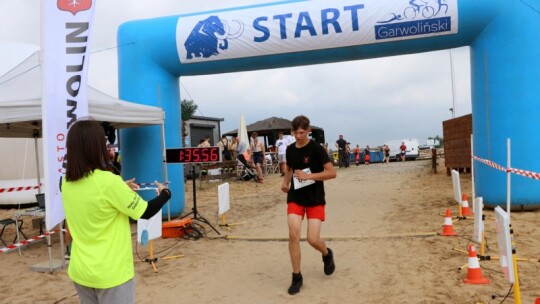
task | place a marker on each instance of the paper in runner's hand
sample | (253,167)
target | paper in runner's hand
(300,184)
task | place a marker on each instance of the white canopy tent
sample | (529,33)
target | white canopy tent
(21,116)
(20,112)
(20,104)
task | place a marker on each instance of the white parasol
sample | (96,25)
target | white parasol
(242,131)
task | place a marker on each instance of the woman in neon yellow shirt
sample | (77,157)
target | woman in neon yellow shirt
(98,205)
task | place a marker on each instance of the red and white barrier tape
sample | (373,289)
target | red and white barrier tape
(526,173)
(16,189)
(25,242)
(490,163)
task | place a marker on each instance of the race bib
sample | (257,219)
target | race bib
(301,184)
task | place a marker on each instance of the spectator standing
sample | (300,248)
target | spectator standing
(327,149)
(289,139)
(225,148)
(347,155)
(233,146)
(242,151)
(114,160)
(257,147)
(357,155)
(341,145)
(403,150)
(386,151)
(205,142)
(281,145)
(367,156)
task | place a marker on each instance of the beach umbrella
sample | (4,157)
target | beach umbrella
(242,131)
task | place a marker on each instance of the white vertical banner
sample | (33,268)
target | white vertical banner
(65,48)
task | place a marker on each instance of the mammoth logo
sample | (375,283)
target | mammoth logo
(209,35)
(74,6)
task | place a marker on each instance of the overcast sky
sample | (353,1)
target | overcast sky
(368,101)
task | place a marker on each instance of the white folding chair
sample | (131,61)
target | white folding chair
(268,165)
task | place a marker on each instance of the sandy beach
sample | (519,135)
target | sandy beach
(382,223)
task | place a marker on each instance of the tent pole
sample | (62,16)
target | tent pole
(49,251)
(165,168)
(37,160)
(164,154)
(62,246)
(25,158)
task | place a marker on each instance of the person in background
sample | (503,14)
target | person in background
(242,151)
(289,138)
(327,149)
(367,156)
(205,142)
(257,148)
(98,205)
(347,155)
(225,148)
(281,145)
(357,155)
(341,145)
(386,151)
(114,160)
(307,162)
(403,150)
(232,146)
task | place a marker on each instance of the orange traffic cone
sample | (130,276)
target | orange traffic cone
(465,210)
(474,273)
(448,228)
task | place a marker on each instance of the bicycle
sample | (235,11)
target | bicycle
(426,10)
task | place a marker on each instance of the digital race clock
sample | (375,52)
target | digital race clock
(193,155)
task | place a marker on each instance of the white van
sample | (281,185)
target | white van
(412,151)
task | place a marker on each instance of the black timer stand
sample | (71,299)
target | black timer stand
(196,215)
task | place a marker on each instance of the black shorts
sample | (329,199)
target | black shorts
(258,158)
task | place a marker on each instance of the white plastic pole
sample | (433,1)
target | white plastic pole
(508,176)
(453,85)
(472,172)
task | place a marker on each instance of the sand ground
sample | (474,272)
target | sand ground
(382,223)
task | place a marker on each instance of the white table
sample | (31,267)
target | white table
(32,212)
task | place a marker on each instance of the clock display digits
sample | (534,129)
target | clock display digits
(193,155)
(181,155)
(188,156)
(196,155)
(214,155)
(205,156)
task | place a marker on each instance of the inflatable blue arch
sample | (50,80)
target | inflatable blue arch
(505,68)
